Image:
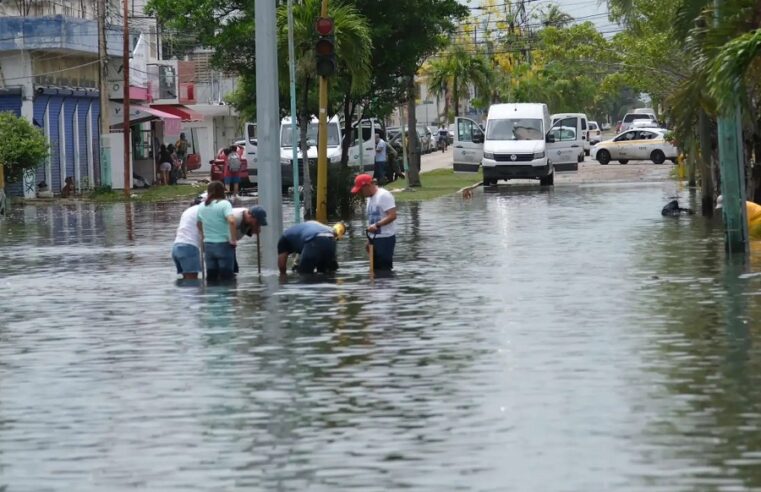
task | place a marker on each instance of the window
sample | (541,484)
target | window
(333,132)
(631,117)
(565,129)
(583,124)
(514,129)
(625,137)
(464,130)
(251,133)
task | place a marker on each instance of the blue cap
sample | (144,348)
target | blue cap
(259,213)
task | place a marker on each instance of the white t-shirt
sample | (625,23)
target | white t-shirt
(380,151)
(187,231)
(238,214)
(377,206)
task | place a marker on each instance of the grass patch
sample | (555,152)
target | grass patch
(438,183)
(151,195)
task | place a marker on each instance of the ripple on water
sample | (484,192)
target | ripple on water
(570,339)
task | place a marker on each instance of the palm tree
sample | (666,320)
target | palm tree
(353,46)
(554,17)
(456,71)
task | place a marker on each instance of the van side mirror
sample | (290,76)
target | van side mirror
(478,137)
(550,138)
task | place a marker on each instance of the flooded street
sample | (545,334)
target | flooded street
(531,339)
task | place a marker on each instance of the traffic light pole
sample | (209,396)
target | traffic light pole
(322,143)
(732,165)
(294,130)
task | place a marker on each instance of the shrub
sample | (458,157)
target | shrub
(22,146)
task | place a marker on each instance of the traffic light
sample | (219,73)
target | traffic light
(325,49)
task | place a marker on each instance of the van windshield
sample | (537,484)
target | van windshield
(515,129)
(333,132)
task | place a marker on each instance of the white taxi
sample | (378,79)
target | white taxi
(645,144)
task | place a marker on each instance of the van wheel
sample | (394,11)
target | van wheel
(548,180)
(623,161)
(586,152)
(489,182)
(603,156)
(658,157)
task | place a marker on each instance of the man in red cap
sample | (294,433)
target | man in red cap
(381,215)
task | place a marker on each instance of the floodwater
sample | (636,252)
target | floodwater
(564,340)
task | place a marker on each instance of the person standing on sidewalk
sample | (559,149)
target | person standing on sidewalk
(232,170)
(381,159)
(181,147)
(381,215)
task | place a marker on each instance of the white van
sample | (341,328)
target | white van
(580,122)
(518,143)
(335,133)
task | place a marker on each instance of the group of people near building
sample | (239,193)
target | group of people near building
(211,227)
(172,161)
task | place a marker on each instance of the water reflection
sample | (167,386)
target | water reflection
(529,339)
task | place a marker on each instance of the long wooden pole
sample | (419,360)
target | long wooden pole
(125,103)
(105,122)
(258,255)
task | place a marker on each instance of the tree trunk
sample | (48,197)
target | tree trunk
(413,173)
(446,106)
(706,171)
(692,163)
(756,196)
(456,98)
(348,133)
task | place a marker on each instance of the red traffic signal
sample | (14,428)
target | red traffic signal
(325,49)
(324,26)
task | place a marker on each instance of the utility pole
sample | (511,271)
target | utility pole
(322,141)
(105,123)
(268,127)
(294,130)
(125,102)
(732,165)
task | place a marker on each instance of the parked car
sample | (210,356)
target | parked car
(425,136)
(451,134)
(218,166)
(629,119)
(595,135)
(639,144)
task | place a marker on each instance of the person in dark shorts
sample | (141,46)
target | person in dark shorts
(314,242)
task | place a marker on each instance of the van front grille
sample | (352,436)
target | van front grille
(509,157)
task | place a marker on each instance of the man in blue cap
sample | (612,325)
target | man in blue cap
(248,221)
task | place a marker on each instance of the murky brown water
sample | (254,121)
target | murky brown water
(566,340)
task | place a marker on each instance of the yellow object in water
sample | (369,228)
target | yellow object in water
(754,220)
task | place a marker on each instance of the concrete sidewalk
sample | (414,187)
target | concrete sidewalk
(436,160)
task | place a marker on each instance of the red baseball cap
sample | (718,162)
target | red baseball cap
(360,181)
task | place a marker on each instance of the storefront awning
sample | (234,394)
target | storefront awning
(142,114)
(184,112)
(138,114)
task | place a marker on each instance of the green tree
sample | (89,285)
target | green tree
(456,70)
(553,16)
(22,146)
